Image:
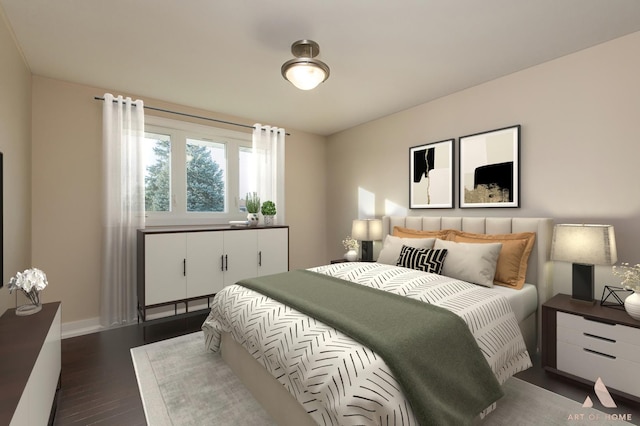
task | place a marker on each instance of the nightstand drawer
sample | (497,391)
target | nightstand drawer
(615,332)
(618,373)
(601,343)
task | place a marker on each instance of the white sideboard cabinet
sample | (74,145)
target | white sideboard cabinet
(183,266)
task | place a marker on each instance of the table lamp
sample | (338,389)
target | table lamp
(584,246)
(367,231)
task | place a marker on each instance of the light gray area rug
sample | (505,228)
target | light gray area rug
(181,384)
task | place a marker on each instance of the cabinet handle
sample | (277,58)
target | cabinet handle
(599,322)
(222,262)
(226,262)
(598,353)
(184,267)
(599,337)
(260,258)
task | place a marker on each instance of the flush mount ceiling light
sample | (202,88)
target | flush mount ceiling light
(304,71)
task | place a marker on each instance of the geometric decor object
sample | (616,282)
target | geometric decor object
(611,297)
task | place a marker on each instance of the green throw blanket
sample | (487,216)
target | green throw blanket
(430,350)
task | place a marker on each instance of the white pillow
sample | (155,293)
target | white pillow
(474,263)
(392,245)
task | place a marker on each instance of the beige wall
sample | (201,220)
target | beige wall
(580,127)
(67,137)
(15,144)
(580,118)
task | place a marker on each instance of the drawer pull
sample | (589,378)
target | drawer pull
(599,322)
(599,337)
(599,353)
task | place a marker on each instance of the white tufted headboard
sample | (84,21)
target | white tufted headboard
(538,270)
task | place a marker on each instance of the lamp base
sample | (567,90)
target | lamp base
(582,283)
(367,251)
(582,302)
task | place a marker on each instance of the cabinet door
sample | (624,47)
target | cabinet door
(273,251)
(241,255)
(204,263)
(164,268)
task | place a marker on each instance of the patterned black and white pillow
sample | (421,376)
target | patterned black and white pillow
(426,260)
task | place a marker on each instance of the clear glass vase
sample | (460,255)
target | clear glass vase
(32,307)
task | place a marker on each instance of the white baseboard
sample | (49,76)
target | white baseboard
(92,325)
(79,328)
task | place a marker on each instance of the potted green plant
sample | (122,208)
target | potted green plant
(252,203)
(268,211)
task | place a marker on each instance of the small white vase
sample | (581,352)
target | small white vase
(253,219)
(351,255)
(268,220)
(632,305)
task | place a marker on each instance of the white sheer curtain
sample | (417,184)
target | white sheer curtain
(123,207)
(268,153)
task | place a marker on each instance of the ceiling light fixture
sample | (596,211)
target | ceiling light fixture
(304,71)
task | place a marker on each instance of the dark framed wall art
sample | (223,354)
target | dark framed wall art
(490,168)
(1,221)
(431,175)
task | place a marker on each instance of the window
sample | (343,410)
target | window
(206,181)
(194,174)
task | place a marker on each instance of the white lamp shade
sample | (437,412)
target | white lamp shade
(367,229)
(588,244)
(305,76)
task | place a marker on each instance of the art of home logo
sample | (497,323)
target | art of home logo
(606,400)
(603,395)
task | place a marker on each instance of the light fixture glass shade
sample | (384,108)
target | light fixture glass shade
(305,75)
(304,71)
(588,244)
(367,229)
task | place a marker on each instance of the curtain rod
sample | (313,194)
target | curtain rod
(99,98)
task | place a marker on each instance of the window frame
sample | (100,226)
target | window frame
(180,131)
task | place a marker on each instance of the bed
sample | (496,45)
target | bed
(269,381)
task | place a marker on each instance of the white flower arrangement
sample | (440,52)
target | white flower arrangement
(630,276)
(350,244)
(31,282)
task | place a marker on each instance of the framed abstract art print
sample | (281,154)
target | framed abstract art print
(490,168)
(431,175)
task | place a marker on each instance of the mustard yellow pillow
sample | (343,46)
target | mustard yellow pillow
(511,269)
(401,232)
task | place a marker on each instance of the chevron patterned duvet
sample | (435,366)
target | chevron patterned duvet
(338,381)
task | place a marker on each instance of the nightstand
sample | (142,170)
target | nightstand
(584,342)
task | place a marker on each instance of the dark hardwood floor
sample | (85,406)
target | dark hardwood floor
(98,382)
(99,385)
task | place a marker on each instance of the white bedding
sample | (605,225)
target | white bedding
(337,380)
(524,302)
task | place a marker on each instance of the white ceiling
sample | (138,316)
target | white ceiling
(225,55)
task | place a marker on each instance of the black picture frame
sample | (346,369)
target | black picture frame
(489,169)
(1,220)
(431,173)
